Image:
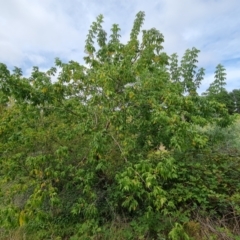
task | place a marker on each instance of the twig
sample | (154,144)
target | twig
(119,147)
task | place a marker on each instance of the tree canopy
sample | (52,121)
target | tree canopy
(117,139)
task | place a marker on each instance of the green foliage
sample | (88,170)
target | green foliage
(178,233)
(218,85)
(234,99)
(218,93)
(112,145)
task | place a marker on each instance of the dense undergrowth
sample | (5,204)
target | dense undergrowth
(202,202)
(123,148)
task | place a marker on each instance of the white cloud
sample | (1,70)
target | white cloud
(32,26)
(233,76)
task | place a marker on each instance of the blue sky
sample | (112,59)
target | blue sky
(34,33)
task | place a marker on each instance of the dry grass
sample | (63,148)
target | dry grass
(206,228)
(17,234)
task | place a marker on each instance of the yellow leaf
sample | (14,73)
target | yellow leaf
(22,218)
(131,95)
(44,90)
(162,148)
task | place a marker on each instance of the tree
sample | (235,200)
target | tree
(218,84)
(102,140)
(234,96)
(216,90)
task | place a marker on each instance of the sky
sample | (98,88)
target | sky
(34,33)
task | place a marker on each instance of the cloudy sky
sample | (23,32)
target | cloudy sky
(35,32)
